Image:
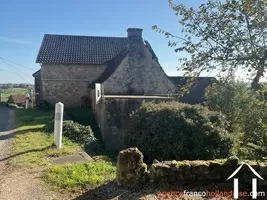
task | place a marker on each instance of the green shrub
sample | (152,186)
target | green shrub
(44,106)
(178,131)
(79,134)
(83,116)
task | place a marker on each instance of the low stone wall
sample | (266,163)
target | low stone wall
(183,172)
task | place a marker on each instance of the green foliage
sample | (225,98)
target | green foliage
(246,113)
(233,99)
(85,117)
(222,36)
(178,131)
(44,106)
(79,134)
(73,176)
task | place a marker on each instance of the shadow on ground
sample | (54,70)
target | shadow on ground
(111,190)
(25,152)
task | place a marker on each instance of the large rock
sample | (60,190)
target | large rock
(131,170)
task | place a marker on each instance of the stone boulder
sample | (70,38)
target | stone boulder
(131,170)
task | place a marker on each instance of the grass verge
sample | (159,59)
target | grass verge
(33,147)
(80,175)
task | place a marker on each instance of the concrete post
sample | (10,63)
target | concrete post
(27,101)
(58,125)
(27,104)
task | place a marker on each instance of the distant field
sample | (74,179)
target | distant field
(12,91)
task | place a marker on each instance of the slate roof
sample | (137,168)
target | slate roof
(71,49)
(196,94)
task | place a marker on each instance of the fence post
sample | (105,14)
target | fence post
(58,124)
(27,101)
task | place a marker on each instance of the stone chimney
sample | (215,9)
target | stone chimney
(135,33)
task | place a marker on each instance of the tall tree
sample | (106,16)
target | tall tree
(224,36)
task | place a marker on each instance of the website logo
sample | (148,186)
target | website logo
(254,181)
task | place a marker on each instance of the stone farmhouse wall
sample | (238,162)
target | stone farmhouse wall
(68,83)
(139,74)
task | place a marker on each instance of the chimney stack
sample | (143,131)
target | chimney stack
(135,33)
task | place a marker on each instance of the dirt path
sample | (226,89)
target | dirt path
(6,134)
(16,183)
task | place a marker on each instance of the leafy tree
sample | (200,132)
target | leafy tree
(232,98)
(222,36)
(246,112)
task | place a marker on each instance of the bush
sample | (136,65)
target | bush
(44,106)
(80,134)
(178,131)
(85,117)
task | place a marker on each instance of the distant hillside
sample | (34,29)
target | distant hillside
(13,85)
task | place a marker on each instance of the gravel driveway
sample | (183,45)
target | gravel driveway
(17,183)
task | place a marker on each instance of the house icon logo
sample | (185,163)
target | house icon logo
(254,181)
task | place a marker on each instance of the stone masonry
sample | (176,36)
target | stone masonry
(138,73)
(68,83)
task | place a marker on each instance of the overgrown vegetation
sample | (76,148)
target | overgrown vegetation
(245,109)
(168,131)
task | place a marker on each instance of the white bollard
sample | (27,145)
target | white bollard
(58,125)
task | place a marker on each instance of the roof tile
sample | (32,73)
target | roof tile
(71,49)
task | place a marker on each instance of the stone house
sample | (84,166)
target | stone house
(71,65)
(114,75)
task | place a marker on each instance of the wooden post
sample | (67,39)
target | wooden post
(58,124)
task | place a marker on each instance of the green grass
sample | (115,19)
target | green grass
(32,146)
(12,91)
(81,175)
(35,147)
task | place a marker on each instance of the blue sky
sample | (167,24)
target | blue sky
(23,24)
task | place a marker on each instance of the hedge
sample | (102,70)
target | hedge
(173,130)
